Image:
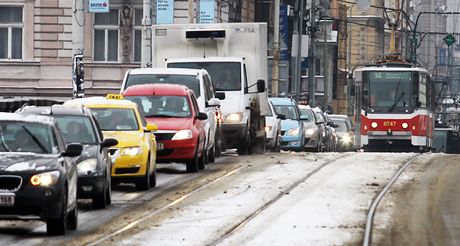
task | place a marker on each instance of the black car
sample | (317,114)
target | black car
(78,125)
(38,174)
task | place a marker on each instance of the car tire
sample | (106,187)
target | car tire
(192,165)
(58,226)
(100,200)
(212,154)
(72,219)
(245,148)
(109,191)
(144,183)
(153,177)
(203,159)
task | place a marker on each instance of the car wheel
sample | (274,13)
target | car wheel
(144,183)
(153,177)
(203,159)
(58,226)
(102,199)
(212,154)
(72,219)
(192,165)
(109,191)
(244,149)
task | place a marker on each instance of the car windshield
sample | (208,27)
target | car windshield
(27,137)
(342,125)
(225,75)
(191,81)
(116,119)
(306,114)
(163,106)
(76,129)
(287,110)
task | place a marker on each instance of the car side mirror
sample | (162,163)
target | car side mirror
(151,127)
(281,116)
(303,117)
(73,150)
(260,86)
(201,116)
(109,142)
(220,95)
(213,102)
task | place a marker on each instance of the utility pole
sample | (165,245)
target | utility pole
(78,37)
(299,50)
(197,12)
(311,56)
(276,49)
(146,34)
(325,72)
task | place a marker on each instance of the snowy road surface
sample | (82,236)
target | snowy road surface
(273,199)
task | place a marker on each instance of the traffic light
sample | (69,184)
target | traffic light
(78,78)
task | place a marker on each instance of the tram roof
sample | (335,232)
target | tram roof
(391,68)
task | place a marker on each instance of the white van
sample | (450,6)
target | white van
(199,81)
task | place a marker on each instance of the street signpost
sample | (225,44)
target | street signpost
(449,39)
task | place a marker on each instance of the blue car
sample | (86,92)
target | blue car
(292,135)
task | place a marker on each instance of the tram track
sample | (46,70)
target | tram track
(272,201)
(375,202)
(150,214)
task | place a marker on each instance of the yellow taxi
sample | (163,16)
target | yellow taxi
(134,157)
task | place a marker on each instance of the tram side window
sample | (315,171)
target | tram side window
(422,91)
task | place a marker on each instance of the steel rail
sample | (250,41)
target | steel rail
(248,218)
(152,213)
(371,213)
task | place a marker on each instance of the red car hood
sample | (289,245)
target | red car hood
(171,123)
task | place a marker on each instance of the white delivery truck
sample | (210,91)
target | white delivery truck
(235,55)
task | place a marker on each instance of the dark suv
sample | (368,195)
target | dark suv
(78,125)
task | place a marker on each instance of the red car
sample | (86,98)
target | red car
(181,135)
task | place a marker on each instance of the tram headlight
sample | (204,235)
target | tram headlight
(405,125)
(374,124)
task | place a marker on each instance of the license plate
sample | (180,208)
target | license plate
(6,200)
(160,146)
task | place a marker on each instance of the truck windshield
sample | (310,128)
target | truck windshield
(191,81)
(226,76)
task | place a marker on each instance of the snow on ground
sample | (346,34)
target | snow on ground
(328,208)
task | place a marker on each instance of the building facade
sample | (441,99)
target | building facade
(36,43)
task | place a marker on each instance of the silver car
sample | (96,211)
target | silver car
(314,133)
(345,132)
(273,130)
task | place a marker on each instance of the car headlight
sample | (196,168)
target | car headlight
(309,132)
(45,179)
(182,134)
(405,125)
(293,132)
(88,166)
(268,128)
(234,118)
(131,151)
(346,139)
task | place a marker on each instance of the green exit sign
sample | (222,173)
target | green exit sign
(449,39)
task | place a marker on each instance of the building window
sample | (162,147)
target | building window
(106,28)
(137,34)
(11,32)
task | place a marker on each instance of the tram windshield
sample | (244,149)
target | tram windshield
(389,91)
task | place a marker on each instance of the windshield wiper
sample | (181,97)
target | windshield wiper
(36,140)
(159,115)
(4,142)
(396,102)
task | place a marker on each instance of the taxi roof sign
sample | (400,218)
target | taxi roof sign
(114,96)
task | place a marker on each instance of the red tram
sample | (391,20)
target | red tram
(396,104)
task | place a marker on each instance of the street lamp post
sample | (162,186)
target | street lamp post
(349,73)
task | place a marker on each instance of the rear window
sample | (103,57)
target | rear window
(191,81)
